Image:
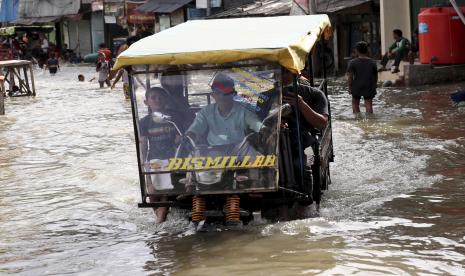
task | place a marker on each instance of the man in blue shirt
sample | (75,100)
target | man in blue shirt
(226,121)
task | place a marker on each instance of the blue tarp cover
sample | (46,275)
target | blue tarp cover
(9,10)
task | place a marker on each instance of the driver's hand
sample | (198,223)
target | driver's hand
(290,99)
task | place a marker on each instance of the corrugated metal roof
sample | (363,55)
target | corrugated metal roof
(258,8)
(36,8)
(32,20)
(162,6)
(325,6)
(280,7)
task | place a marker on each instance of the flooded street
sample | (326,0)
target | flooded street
(69,191)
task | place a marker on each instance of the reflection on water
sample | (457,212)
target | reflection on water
(69,192)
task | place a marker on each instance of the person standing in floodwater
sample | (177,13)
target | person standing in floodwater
(158,142)
(103,68)
(52,64)
(362,78)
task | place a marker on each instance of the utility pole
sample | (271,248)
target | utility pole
(312,7)
(209,7)
(2,100)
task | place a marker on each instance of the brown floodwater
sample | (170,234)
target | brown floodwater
(69,193)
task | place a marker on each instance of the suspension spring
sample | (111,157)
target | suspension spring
(198,208)
(233,208)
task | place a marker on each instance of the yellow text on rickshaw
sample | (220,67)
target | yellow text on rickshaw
(221,162)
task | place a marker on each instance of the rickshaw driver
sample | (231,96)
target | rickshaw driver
(226,121)
(312,102)
(313,107)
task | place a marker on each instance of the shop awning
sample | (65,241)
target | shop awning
(162,6)
(7,31)
(32,20)
(9,10)
(284,39)
(283,7)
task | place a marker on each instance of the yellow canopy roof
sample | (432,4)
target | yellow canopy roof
(284,39)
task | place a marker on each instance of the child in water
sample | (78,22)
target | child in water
(103,68)
(158,142)
(52,64)
(362,78)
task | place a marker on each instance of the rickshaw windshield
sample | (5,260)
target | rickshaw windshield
(209,130)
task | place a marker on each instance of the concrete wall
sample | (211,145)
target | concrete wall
(420,74)
(395,14)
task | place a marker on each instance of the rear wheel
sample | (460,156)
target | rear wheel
(326,179)
(316,193)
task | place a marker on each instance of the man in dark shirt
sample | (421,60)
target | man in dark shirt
(52,64)
(313,108)
(312,102)
(362,78)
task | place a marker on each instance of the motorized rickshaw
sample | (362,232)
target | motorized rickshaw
(228,170)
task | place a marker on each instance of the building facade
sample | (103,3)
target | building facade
(403,15)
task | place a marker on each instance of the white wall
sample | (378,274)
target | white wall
(395,14)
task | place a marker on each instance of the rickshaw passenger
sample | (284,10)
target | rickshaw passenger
(160,136)
(226,121)
(312,102)
(173,84)
(157,139)
(313,107)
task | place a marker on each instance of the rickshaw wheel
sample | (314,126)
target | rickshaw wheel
(248,219)
(326,179)
(316,193)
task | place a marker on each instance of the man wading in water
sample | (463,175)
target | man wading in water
(362,78)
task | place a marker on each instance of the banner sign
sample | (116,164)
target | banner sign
(135,17)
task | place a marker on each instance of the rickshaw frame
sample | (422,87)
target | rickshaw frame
(319,158)
(322,148)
